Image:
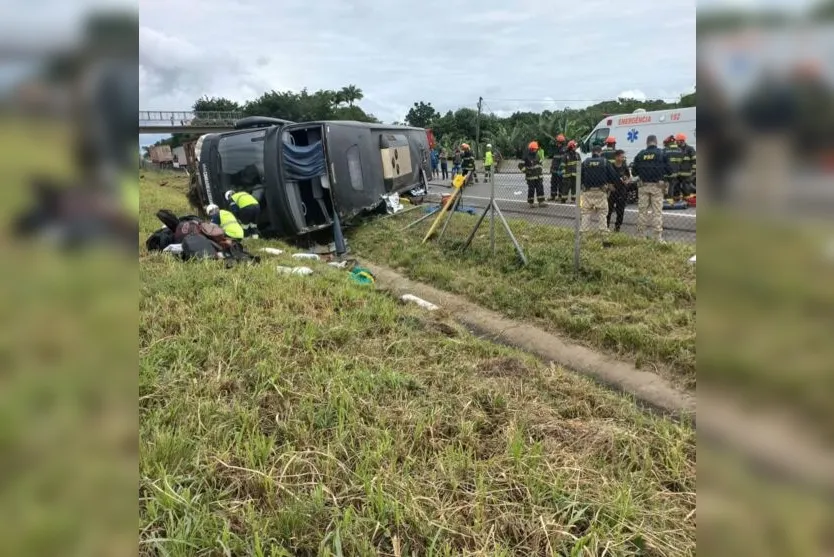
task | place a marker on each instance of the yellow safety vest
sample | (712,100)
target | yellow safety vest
(488,159)
(230,225)
(243,199)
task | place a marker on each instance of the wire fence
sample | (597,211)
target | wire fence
(546,213)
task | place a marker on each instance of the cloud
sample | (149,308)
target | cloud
(635,94)
(516,56)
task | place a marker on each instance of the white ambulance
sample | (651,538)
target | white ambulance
(631,130)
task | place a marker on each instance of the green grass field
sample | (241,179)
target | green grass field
(286,415)
(635,299)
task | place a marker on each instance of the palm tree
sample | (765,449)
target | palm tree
(350,94)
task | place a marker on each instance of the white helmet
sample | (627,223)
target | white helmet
(228,194)
(489,145)
(211,209)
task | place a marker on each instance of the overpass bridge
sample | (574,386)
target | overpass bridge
(185,121)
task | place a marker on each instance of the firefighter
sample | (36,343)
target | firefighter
(598,179)
(618,195)
(532,167)
(468,161)
(489,161)
(572,159)
(247,210)
(557,168)
(651,166)
(673,154)
(226,220)
(609,151)
(686,174)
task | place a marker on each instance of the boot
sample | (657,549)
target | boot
(542,203)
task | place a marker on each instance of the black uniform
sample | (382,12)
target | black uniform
(609,154)
(686,174)
(557,171)
(532,167)
(572,159)
(617,198)
(598,173)
(675,155)
(651,165)
(468,164)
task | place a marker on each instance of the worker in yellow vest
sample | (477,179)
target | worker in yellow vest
(226,220)
(489,161)
(247,210)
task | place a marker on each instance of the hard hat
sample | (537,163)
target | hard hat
(560,137)
(680,137)
(571,144)
(464,146)
(533,146)
(670,139)
(228,194)
(489,145)
(211,208)
(610,140)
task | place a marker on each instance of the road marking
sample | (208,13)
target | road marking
(672,213)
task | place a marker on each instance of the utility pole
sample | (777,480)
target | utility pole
(478,128)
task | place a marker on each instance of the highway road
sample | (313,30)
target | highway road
(511,197)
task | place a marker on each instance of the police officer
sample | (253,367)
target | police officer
(686,174)
(557,168)
(532,167)
(651,166)
(468,161)
(619,193)
(674,155)
(598,178)
(247,210)
(571,163)
(226,220)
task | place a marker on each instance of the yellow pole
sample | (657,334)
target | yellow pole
(458,184)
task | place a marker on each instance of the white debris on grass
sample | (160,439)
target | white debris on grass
(306,256)
(419,301)
(304,271)
(338,264)
(173,248)
(692,259)
(272,251)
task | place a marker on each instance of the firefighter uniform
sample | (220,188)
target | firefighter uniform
(651,166)
(532,167)
(609,152)
(674,155)
(247,209)
(598,177)
(686,174)
(468,162)
(571,163)
(557,168)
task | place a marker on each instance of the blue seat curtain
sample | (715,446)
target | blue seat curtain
(303,162)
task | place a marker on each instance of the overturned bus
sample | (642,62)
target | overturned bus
(308,175)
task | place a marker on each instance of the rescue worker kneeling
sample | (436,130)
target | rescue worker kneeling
(598,178)
(226,220)
(246,208)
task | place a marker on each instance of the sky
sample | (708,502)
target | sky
(516,54)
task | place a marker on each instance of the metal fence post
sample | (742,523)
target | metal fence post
(492,210)
(577,230)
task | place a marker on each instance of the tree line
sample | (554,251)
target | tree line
(509,135)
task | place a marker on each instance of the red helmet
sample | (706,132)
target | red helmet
(680,137)
(610,140)
(571,144)
(533,146)
(561,138)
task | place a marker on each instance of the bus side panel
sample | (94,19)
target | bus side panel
(355,172)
